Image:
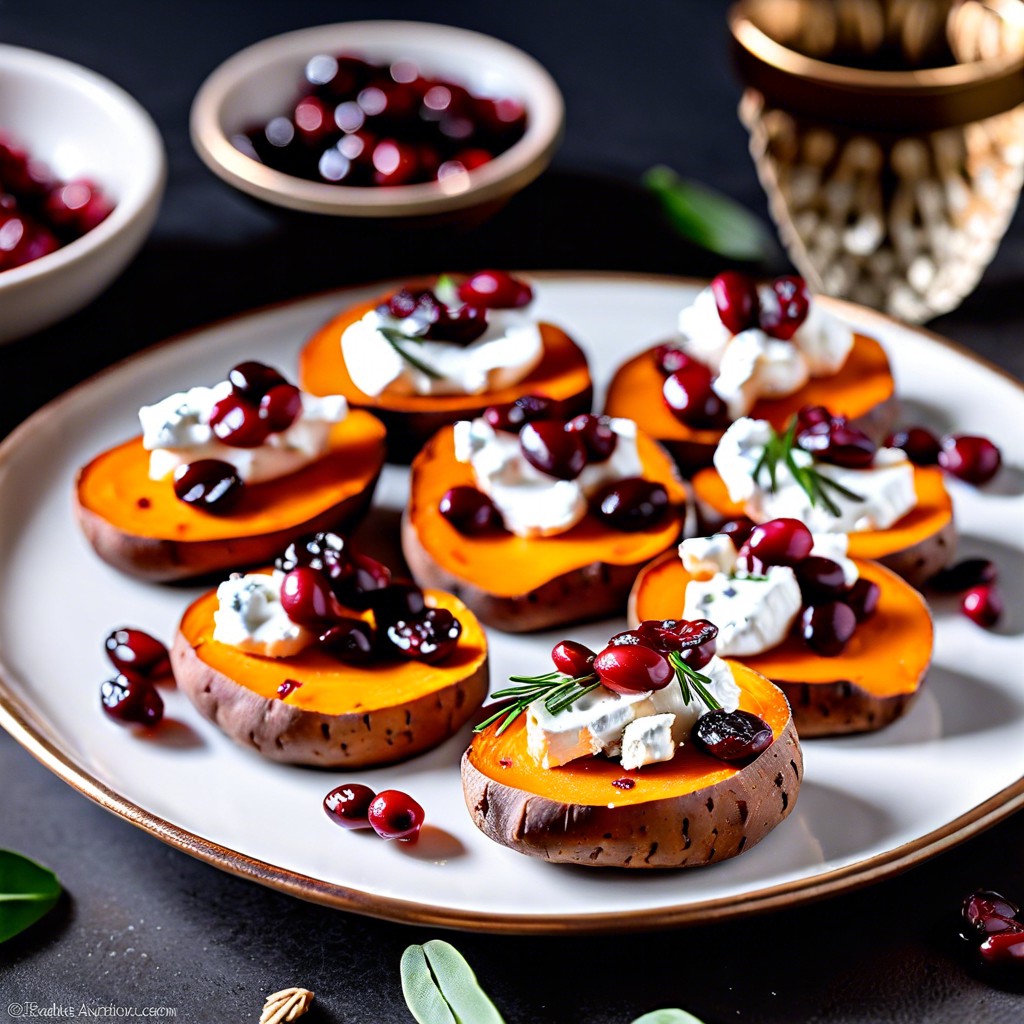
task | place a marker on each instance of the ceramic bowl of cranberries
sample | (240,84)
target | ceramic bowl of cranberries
(379,119)
(81,175)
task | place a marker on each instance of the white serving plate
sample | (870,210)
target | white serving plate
(870,805)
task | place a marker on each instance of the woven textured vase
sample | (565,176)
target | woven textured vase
(890,187)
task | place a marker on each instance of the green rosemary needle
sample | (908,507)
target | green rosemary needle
(556,689)
(397,340)
(690,679)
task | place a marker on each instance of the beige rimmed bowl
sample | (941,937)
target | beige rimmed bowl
(264,80)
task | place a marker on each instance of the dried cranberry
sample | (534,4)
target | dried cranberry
(525,409)
(572,658)
(349,640)
(326,552)
(787,307)
(694,640)
(820,579)
(400,599)
(968,573)
(633,669)
(308,599)
(470,511)
(395,815)
(431,636)
(281,406)
(237,424)
(553,450)
(631,504)
(597,436)
(251,380)
(495,289)
(974,459)
(348,805)
(671,358)
(732,735)
(983,604)
(736,300)
(920,445)
(209,485)
(777,542)
(863,597)
(134,650)
(827,627)
(131,700)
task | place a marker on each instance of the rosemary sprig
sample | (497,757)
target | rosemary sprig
(690,679)
(556,689)
(397,340)
(815,485)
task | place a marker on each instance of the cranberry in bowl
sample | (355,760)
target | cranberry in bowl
(279,78)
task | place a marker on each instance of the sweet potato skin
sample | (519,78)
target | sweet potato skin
(709,825)
(292,735)
(842,707)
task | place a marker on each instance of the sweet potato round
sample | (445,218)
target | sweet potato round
(339,716)
(682,813)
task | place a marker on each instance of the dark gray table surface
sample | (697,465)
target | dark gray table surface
(143,925)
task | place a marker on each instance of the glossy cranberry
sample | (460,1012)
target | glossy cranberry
(470,511)
(406,303)
(431,636)
(670,358)
(395,815)
(778,542)
(921,446)
(863,597)
(471,159)
(348,805)
(525,409)
(76,207)
(983,604)
(400,599)
(495,289)
(736,299)
(326,552)
(337,76)
(1003,949)
(974,459)
(737,530)
(573,659)
(633,669)
(687,392)
(812,415)
(836,442)
(827,627)
(133,650)
(597,436)
(131,700)
(553,450)
(22,240)
(281,406)
(395,163)
(22,174)
(968,573)
(238,424)
(308,599)
(987,913)
(631,504)
(209,485)
(732,735)
(314,120)
(460,326)
(368,575)
(351,641)
(787,308)
(251,380)
(820,579)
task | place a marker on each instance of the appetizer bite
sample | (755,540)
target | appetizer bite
(831,476)
(428,355)
(327,660)
(847,641)
(226,476)
(748,350)
(537,521)
(653,753)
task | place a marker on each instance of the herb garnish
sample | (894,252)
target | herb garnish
(397,340)
(27,891)
(557,690)
(692,680)
(814,484)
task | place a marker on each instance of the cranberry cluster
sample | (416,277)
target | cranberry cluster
(977,580)
(427,317)
(365,124)
(38,212)
(993,926)
(131,697)
(832,610)
(391,813)
(325,578)
(831,439)
(975,460)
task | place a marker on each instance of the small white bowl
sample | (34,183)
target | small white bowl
(264,80)
(80,125)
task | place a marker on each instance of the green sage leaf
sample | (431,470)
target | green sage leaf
(668,1017)
(710,219)
(441,988)
(27,892)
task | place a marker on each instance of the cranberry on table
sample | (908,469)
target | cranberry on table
(572,658)
(973,459)
(827,627)
(633,669)
(395,815)
(470,511)
(348,805)
(430,636)
(985,913)
(281,406)
(131,700)
(1003,949)
(351,641)
(671,358)
(238,424)
(632,504)
(251,380)
(787,308)
(134,650)
(920,445)
(736,299)
(863,597)
(597,436)
(778,542)
(308,599)
(970,572)
(820,579)
(732,735)
(495,289)
(552,449)
(209,485)
(983,604)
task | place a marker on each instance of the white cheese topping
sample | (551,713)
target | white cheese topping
(753,365)
(596,723)
(647,741)
(886,487)
(703,557)
(176,431)
(250,616)
(503,355)
(532,503)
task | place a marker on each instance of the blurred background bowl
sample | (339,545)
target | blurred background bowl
(264,81)
(82,126)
